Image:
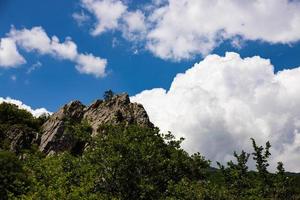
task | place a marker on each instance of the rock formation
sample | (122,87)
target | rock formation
(54,138)
(115,110)
(21,138)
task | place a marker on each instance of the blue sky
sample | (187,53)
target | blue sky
(57,82)
(170,56)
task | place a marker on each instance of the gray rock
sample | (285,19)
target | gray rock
(21,138)
(54,138)
(116,110)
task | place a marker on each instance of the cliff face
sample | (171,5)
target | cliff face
(54,138)
(118,109)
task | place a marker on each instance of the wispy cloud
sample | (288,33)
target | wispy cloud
(34,67)
(80,18)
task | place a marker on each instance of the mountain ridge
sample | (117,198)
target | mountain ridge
(54,137)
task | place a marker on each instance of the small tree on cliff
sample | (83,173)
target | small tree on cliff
(108,95)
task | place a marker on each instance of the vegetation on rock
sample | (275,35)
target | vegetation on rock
(128,162)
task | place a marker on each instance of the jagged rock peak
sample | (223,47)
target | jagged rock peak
(73,110)
(114,110)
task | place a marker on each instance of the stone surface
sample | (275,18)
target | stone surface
(53,137)
(21,138)
(116,110)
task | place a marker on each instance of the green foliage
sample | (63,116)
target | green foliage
(261,155)
(136,163)
(261,184)
(236,176)
(282,184)
(130,162)
(11,115)
(13,180)
(11,118)
(121,163)
(79,134)
(195,190)
(108,95)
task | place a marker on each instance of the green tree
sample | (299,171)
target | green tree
(108,95)
(283,187)
(13,179)
(260,156)
(236,175)
(136,163)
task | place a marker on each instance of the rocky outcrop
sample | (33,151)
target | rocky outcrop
(21,137)
(54,138)
(115,110)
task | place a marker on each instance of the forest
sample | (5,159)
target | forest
(129,162)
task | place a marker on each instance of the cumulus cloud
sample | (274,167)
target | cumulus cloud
(114,15)
(9,55)
(37,40)
(88,64)
(221,102)
(180,29)
(107,13)
(184,28)
(35,112)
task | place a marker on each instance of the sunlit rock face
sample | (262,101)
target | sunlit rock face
(116,110)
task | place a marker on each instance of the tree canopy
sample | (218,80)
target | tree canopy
(133,162)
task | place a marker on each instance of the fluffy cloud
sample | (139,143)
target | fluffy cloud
(35,112)
(9,55)
(37,40)
(107,13)
(180,29)
(114,15)
(134,27)
(88,64)
(184,28)
(221,102)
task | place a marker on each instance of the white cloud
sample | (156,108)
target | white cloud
(221,102)
(37,40)
(134,26)
(9,55)
(35,112)
(184,28)
(114,15)
(180,29)
(89,64)
(107,13)
(66,50)
(34,67)
(80,18)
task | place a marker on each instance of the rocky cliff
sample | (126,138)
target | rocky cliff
(115,110)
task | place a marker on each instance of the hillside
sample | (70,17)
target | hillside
(111,150)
